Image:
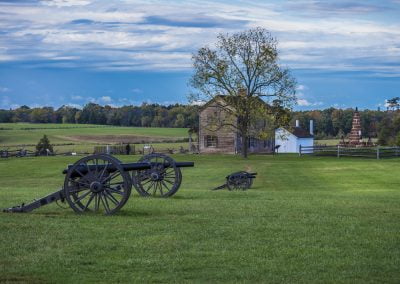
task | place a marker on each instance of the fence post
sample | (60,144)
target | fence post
(300,150)
(338,151)
(377,153)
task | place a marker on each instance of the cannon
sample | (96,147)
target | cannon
(238,181)
(103,183)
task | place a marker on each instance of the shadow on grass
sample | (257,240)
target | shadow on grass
(130,213)
(22,279)
(182,197)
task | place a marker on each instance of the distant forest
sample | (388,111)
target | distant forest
(146,115)
(329,123)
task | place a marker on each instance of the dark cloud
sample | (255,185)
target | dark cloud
(349,7)
(82,22)
(195,22)
(87,22)
(322,8)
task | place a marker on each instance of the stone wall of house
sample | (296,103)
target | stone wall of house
(209,125)
(212,119)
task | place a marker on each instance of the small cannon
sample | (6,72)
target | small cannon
(238,181)
(103,183)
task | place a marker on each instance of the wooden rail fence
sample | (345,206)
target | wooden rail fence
(361,152)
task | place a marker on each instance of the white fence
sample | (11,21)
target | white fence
(361,152)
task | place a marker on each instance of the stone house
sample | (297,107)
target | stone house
(217,133)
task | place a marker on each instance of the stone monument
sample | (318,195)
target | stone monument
(355,136)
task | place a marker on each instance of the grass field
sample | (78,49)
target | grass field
(306,220)
(83,137)
(334,142)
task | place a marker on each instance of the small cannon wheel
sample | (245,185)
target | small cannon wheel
(239,181)
(163,179)
(97,183)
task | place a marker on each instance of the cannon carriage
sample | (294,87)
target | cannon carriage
(238,181)
(102,183)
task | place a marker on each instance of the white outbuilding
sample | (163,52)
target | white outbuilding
(290,141)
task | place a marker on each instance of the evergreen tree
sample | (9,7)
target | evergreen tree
(44,145)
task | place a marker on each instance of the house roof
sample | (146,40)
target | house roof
(222,97)
(301,133)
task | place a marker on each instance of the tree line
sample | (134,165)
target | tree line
(328,123)
(335,123)
(146,115)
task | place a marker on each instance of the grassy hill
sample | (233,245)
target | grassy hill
(306,220)
(83,137)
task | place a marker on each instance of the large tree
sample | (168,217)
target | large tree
(393,103)
(244,70)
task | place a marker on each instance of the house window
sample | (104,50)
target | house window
(211,141)
(267,143)
(253,142)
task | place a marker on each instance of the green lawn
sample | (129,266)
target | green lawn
(306,220)
(83,137)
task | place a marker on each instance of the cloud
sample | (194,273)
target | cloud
(105,99)
(76,98)
(152,35)
(324,8)
(82,22)
(78,106)
(198,103)
(136,91)
(304,102)
(198,21)
(7,103)
(100,100)
(19,1)
(4,89)
(126,101)
(386,104)
(65,3)
(301,87)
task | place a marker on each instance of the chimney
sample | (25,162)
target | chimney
(312,127)
(297,123)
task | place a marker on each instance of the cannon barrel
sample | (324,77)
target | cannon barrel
(126,166)
(110,168)
(184,164)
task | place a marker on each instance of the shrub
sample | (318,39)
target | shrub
(43,145)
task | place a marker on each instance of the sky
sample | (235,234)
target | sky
(343,54)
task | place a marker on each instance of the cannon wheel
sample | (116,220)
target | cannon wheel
(89,186)
(239,181)
(163,179)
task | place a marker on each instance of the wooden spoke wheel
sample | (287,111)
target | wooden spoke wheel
(239,181)
(97,183)
(163,179)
